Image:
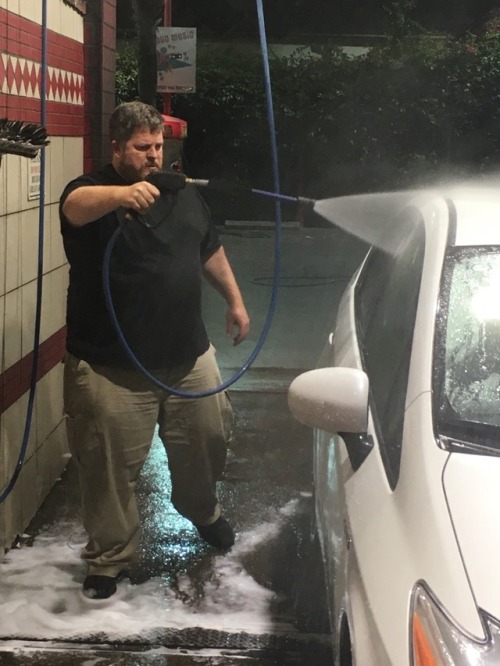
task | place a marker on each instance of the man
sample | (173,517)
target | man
(155,280)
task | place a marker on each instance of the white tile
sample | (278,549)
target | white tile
(52,458)
(39,473)
(31,10)
(60,290)
(3,544)
(54,19)
(58,256)
(13,252)
(13,515)
(78,34)
(12,328)
(47,240)
(47,323)
(72,160)
(28,308)
(14,188)
(12,6)
(12,433)
(29,222)
(68,19)
(3,185)
(2,364)
(49,159)
(30,499)
(3,253)
(55,286)
(49,403)
(62,165)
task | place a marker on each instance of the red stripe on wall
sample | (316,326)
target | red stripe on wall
(62,119)
(15,381)
(23,38)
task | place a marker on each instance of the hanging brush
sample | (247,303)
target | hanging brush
(20,138)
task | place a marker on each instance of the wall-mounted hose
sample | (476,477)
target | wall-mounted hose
(41,138)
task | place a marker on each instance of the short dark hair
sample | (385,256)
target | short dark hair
(130,117)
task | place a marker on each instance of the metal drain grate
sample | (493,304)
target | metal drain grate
(196,638)
(211,638)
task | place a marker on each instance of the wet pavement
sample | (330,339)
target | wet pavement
(262,603)
(266,488)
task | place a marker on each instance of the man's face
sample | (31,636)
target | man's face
(142,153)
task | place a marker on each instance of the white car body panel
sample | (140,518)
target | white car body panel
(416,544)
(406,535)
(473,490)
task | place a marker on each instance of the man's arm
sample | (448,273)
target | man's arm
(90,202)
(219,274)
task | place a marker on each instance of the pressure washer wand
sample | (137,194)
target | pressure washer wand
(173,181)
(231,188)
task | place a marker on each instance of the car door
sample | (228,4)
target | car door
(375,333)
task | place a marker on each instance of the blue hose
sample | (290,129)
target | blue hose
(38,310)
(277,253)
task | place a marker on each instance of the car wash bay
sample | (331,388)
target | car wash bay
(263,602)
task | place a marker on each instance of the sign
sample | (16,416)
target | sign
(176,60)
(34,172)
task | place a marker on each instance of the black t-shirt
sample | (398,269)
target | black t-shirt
(155,279)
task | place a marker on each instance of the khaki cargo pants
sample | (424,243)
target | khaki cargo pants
(111,418)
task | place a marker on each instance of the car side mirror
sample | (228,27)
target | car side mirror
(331,399)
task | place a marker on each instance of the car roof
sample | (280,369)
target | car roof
(477,215)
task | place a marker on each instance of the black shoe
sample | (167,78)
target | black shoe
(100,587)
(220,534)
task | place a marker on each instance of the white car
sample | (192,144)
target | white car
(406,412)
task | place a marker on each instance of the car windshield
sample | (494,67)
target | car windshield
(468,347)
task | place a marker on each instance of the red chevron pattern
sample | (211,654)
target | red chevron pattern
(22,77)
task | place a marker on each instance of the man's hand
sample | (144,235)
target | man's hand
(139,196)
(238,316)
(220,275)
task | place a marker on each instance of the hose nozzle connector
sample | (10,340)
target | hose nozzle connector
(306,201)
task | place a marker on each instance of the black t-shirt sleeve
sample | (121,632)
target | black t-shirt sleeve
(81,181)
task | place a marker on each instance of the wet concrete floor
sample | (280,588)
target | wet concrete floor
(268,475)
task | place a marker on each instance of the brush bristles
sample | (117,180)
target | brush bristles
(20,138)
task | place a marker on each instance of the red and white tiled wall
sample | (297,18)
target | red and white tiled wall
(20,99)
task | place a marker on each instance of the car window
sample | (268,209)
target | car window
(386,305)
(468,347)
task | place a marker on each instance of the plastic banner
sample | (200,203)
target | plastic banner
(176,60)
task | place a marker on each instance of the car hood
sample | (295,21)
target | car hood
(472,488)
